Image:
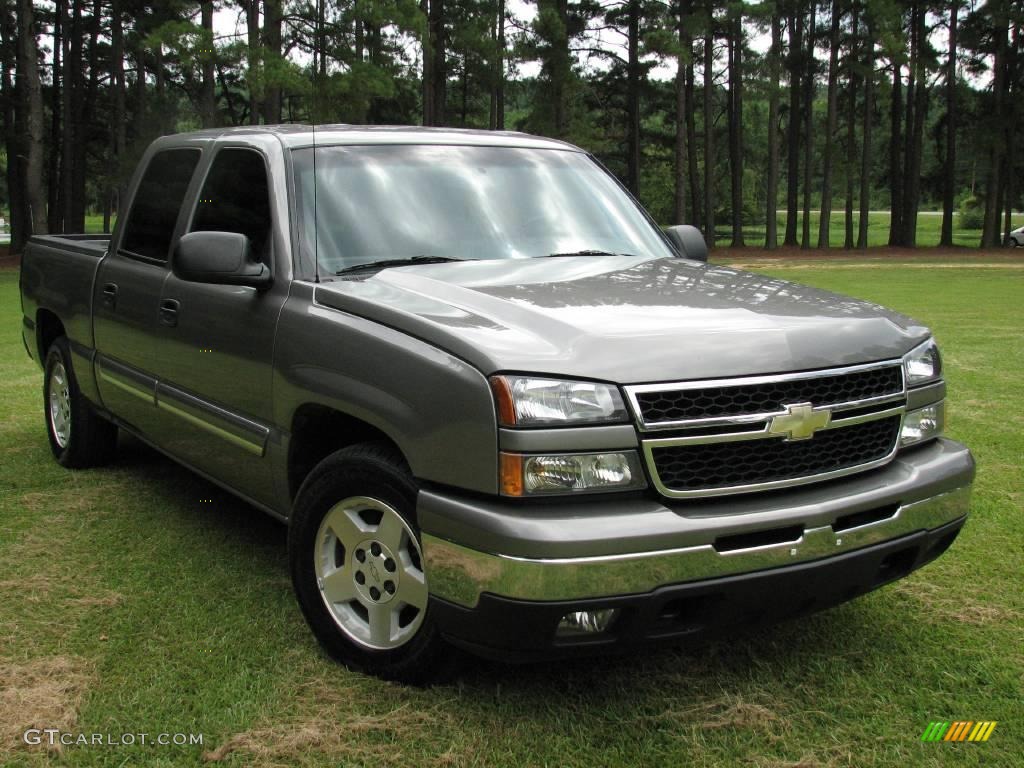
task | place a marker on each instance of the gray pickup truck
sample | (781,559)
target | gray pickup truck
(498,406)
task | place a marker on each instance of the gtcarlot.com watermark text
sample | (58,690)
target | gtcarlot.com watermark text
(54,737)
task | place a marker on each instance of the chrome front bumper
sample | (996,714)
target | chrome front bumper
(461,575)
(923,491)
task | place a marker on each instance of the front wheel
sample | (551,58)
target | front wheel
(357,567)
(79,437)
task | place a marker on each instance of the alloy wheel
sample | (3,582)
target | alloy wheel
(369,570)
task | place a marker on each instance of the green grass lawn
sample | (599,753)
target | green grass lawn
(130,605)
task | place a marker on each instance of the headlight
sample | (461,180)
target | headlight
(923,364)
(923,424)
(524,401)
(523,475)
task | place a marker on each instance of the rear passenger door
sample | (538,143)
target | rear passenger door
(126,314)
(215,359)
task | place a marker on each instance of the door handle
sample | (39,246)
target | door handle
(110,295)
(169,312)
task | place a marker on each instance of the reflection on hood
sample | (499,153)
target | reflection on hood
(625,319)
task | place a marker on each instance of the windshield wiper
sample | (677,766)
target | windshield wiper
(583,253)
(385,263)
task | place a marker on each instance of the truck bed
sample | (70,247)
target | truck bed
(88,245)
(57,275)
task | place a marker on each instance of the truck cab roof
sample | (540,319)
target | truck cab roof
(294,136)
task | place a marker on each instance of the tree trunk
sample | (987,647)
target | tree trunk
(1008,197)
(73,124)
(771,236)
(272,22)
(497,120)
(500,95)
(915,128)
(1010,125)
(908,127)
(14,129)
(84,116)
(118,133)
(805,241)
(895,160)
(426,51)
(139,114)
(866,156)
(321,39)
(438,69)
(709,133)
(28,73)
(852,82)
(683,61)
(254,77)
(160,88)
(633,98)
(794,65)
(990,229)
(696,210)
(560,70)
(736,126)
(832,124)
(465,91)
(54,210)
(949,176)
(207,93)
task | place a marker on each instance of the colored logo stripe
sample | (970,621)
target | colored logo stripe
(983,731)
(959,730)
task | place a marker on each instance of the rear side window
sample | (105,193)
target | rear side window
(236,198)
(150,224)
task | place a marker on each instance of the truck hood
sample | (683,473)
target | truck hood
(623,319)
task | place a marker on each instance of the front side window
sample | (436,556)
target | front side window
(369,203)
(236,198)
(150,224)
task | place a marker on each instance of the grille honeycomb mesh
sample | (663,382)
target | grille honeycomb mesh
(750,462)
(735,400)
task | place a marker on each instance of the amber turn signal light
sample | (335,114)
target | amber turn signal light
(511,474)
(503,399)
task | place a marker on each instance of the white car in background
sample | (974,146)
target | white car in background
(1016,237)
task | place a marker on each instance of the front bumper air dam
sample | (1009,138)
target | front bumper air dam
(515,630)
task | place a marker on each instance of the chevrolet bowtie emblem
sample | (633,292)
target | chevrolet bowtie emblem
(799,422)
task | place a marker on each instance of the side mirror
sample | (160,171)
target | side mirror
(688,242)
(221,258)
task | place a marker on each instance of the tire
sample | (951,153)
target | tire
(357,568)
(79,437)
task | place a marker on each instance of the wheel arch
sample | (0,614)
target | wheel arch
(319,430)
(49,328)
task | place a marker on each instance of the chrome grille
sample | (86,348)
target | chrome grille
(742,400)
(733,435)
(712,466)
(730,400)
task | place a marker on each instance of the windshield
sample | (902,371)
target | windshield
(385,202)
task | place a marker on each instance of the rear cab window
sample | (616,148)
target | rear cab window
(154,213)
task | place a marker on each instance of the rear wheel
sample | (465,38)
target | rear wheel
(79,437)
(357,567)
